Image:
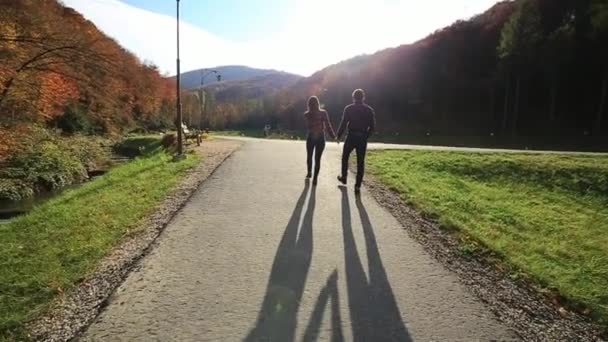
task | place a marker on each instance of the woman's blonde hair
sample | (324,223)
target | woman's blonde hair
(313,105)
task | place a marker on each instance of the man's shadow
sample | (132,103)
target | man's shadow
(374,312)
(277,319)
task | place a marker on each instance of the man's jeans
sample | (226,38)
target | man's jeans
(358,142)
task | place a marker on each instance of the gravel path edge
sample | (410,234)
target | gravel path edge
(72,312)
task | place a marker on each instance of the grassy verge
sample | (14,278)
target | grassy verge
(545,215)
(51,249)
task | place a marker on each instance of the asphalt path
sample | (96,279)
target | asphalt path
(258,254)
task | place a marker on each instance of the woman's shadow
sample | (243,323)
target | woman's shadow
(277,318)
(374,312)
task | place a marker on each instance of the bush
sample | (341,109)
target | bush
(91,151)
(74,120)
(14,189)
(169,141)
(46,166)
(46,161)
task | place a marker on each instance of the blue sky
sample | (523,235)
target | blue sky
(298,36)
(235,20)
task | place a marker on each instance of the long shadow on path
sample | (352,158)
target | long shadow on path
(277,319)
(328,293)
(374,313)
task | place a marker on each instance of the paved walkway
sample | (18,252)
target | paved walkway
(259,255)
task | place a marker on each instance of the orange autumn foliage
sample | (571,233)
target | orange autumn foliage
(10,139)
(52,57)
(56,92)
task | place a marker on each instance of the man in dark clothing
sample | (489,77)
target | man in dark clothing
(360,120)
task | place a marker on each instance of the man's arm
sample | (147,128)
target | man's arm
(343,123)
(372,123)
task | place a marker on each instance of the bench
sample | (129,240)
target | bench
(194,134)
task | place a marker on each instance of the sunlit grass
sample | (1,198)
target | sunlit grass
(546,215)
(57,244)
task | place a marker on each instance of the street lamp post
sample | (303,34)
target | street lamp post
(179,99)
(202,97)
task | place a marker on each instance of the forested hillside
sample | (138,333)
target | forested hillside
(59,70)
(526,72)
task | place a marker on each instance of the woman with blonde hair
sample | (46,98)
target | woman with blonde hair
(317,122)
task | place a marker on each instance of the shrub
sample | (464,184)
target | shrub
(46,166)
(43,160)
(14,189)
(74,120)
(169,141)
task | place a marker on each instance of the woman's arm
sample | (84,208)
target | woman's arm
(328,128)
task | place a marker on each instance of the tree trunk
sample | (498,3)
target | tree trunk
(492,104)
(602,108)
(190,115)
(516,104)
(505,115)
(204,113)
(201,99)
(553,99)
(7,87)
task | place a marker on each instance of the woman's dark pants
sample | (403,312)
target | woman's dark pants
(314,143)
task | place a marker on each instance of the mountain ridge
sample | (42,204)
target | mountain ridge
(192,79)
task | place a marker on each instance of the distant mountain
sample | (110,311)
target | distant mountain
(192,79)
(256,87)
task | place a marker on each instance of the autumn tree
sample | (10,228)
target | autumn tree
(36,79)
(55,60)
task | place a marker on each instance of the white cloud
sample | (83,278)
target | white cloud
(320,32)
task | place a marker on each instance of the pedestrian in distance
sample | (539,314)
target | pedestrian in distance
(317,122)
(359,120)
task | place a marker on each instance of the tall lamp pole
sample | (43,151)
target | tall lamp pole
(202,97)
(179,99)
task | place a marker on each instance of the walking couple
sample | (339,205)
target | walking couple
(358,119)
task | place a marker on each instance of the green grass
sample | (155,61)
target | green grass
(51,249)
(545,215)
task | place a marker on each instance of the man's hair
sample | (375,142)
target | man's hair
(358,95)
